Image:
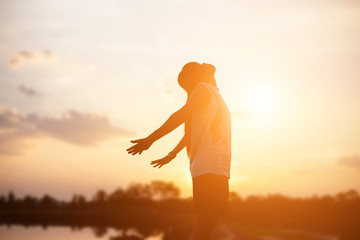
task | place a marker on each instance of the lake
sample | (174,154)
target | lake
(19,232)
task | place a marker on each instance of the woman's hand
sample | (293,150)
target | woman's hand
(161,162)
(141,145)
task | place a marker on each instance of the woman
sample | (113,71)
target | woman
(208,142)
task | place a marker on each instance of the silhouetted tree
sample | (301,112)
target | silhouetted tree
(29,201)
(138,191)
(78,200)
(117,195)
(156,206)
(47,201)
(100,196)
(233,196)
(163,190)
(2,201)
(11,199)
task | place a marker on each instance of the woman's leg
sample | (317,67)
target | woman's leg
(210,194)
(204,227)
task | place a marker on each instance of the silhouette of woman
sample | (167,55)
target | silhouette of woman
(208,143)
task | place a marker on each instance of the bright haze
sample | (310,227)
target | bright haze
(80,79)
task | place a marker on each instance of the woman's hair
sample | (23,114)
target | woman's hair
(208,72)
(193,73)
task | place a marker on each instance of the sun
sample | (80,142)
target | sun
(260,101)
(256,102)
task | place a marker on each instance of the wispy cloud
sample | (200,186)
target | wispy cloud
(74,127)
(79,128)
(350,161)
(166,90)
(25,56)
(27,90)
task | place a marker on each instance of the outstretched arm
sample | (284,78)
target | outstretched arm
(159,163)
(198,99)
(175,120)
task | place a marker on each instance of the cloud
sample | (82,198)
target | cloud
(74,127)
(14,62)
(48,53)
(26,90)
(166,90)
(80,128)
(15,132)
(25,56)
(169,93)
(350,161)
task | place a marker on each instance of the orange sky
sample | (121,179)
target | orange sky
(80,79)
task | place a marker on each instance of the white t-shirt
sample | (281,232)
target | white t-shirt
(210,141)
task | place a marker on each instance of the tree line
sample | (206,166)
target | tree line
(157,206)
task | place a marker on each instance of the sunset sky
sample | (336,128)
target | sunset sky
(80,79)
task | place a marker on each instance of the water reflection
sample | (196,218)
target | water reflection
(20,232)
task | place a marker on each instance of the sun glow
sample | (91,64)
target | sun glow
(260,101)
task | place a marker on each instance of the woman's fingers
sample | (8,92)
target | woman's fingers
(157,163)
(131,150)
(139,146)
(135,149)
(153,162)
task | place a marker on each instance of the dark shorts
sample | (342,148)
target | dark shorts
(211,194)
